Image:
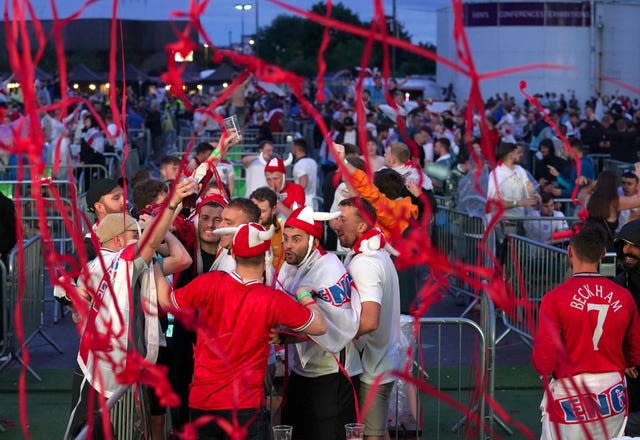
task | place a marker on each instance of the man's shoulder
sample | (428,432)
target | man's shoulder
(328,265)
(292,188)
(362,264)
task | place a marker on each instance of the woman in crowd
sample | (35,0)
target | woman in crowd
(604,203)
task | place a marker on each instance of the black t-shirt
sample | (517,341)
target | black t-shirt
(207,260)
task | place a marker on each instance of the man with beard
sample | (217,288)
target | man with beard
(319,397)
(180,341)
(123,307)
(254,167)
(234,314)
(588,334)
(265,199)
(376,279)
(105,196)
(628,250)
(509,186)
(239,211)
(288,192)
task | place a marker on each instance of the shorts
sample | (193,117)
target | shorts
(375,420)
(319,407)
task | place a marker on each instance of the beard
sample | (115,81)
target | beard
(630,262)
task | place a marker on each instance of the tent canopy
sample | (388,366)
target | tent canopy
(224,72)
(82,73)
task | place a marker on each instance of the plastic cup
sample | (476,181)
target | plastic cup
(354,431)
(282,432)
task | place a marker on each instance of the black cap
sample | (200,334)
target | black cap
(349,121)
(630,233)
(98,189)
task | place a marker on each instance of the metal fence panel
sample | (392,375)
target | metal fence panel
(532,268)
(459,237)
(617,166)
(598,159)
(452,360)
(32,301)
(128,414)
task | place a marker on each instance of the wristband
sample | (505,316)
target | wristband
(301,295)
(345,161)
(215,153)
(515,203)
(310,303)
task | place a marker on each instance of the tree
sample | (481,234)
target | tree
(293,43)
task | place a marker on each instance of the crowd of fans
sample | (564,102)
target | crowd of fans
(352,309)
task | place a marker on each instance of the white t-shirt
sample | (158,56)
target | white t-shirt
(255,177)
(411,174)
(350,137)
(224,262)
(225,170)
(118,142)
(428,152)
(340,194)
(541,230)
(509,185)
(112,314)
(623,216)
(339,301)
(377,280)
(307,167)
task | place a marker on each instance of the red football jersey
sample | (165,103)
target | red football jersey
(292,192)
(234,322)
(588,324)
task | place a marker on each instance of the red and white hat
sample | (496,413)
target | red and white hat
(372,241)
(213,198)
(278,165)
(310,222)
(249,240)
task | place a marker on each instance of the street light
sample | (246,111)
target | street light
(242,7)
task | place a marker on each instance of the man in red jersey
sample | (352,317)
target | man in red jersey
(234,314)
(288,192)
(588,333)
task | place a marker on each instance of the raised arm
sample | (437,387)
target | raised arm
(178,258)
(247,160)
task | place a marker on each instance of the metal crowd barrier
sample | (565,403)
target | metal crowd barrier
(128,415)
(63,187)
(598,159)
(54,219)
(532,269)
(86,174)
(459,237)
(456,374)
(536,228)
(249,143)
(141,140)
(59,233)
(617,166)
(32,302)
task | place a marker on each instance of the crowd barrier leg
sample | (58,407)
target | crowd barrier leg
(32,303)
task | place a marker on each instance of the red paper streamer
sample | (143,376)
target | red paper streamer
(416,249)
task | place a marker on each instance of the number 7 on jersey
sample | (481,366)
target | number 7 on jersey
(602,310)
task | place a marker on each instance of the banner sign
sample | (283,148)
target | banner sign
(527,14)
